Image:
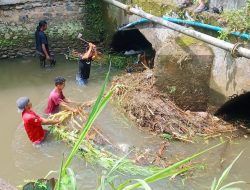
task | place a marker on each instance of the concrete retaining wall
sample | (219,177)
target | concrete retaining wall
(18,21)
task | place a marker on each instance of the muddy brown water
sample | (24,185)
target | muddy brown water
(20,160)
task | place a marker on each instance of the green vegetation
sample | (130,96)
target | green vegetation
(232,20)
(119,61)
(217,185)
(96,156)
(172,170)
(98,28)
(167,136)
(96,110)
(144,183)
(156,8)
(16,36)
(238,20)
(68,29)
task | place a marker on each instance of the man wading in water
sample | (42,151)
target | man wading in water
(85,62)
(42,46)
(56,98)
(32,122)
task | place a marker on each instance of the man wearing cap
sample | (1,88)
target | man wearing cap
(33,122)
(56,98)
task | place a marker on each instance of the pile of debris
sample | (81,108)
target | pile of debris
(138,97)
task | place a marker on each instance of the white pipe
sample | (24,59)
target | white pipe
(198,35)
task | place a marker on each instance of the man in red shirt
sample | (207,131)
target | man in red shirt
(56,98)
(32,122)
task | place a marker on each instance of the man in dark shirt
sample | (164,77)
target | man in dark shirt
(85,62)
(42,46)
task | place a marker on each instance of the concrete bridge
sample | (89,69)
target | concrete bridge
(196,74)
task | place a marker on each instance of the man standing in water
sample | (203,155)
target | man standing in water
(56,98)
(32,122)
(85,62)
(42,46)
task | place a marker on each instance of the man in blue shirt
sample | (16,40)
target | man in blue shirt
(42,46)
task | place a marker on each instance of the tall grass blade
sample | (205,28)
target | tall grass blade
(108,179)
(58,183)
(214,184)
(143,184)
(99,104)
(226,172)
(126,186)
(118,164)
(226,187)
(71,180)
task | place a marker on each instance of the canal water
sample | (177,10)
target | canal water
(20,160)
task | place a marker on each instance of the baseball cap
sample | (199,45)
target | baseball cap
(21,103)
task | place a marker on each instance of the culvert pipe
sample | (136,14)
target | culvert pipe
(235,49)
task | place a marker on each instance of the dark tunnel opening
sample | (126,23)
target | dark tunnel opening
(133,42)
(236,109)
(126,40)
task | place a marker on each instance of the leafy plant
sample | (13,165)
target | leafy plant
(167,136)
(238,20)
(108,179)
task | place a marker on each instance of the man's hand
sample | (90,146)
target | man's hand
(75,110)
(92,45)
(56,121)
(47,57)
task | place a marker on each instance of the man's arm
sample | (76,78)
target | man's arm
(45,51)
(87,54)
(67,107)
(49,121)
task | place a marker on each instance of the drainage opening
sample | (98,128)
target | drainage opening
(236,109)
(133,42)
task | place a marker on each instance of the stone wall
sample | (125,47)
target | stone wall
(18,21)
